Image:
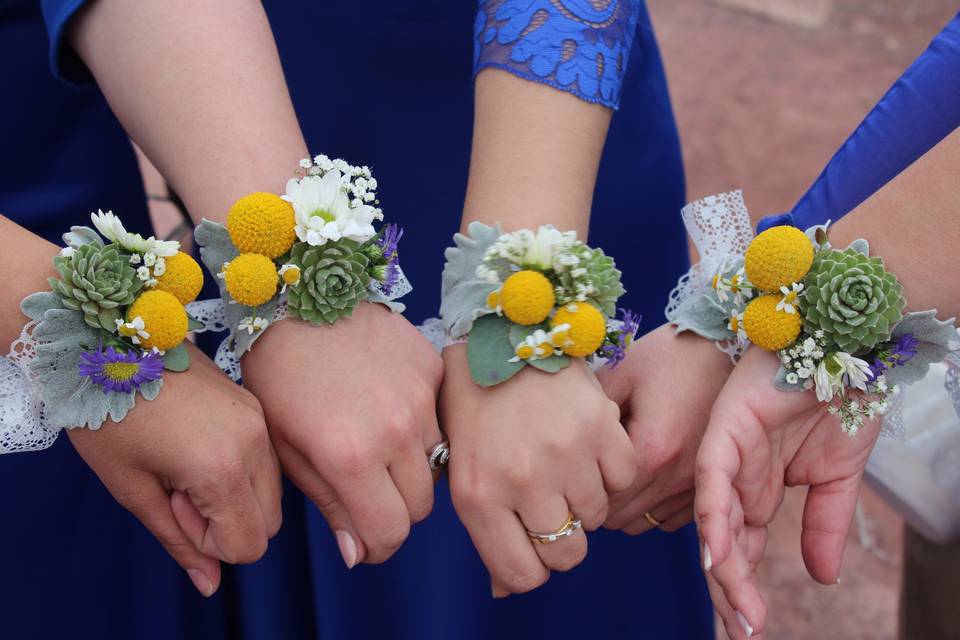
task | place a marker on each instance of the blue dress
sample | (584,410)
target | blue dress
(77,564)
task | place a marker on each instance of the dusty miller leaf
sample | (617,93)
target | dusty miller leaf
(463,295)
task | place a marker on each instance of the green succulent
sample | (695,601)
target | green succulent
(98,281)
(333,280)
(594,269)
(852,299)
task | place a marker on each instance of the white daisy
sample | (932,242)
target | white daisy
(788,303)
(323,211)
(831,372)
(735,324)
(135,329)
(289,275)
(252,324)
(111,228)
(536,346)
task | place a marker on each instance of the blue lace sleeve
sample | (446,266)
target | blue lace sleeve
(578,46)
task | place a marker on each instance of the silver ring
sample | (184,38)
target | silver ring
(568,529)
(439,455)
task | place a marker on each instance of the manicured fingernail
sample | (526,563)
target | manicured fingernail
(838,579)
(348,548)
(747,629)
(201,582)
(707,558)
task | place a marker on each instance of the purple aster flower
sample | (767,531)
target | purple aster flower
(904,349)
(617,342)
(388,242)
(877,368)
(121,372)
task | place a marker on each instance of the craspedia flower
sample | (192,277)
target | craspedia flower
(333,281)
(96,280)
(182,277)
(262,223)
(121,372)
(527,297)
(778,257)
(164,319)
(586,328)
(852,299)
(769,328)
(251,279)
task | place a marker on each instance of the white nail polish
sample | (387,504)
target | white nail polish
(747,629)
(348,548)
(838,580)
(707,558)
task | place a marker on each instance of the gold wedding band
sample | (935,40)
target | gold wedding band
(568,529)
(653,521)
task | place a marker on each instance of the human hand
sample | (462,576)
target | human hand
(525,454)
(665,388)
(195,466)
(759,440)
(351,410)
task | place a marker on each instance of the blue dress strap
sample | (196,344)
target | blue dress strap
(578,46)
(919,110)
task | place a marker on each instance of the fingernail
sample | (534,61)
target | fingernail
(838,579)
(707,558)
(201,582)
(348,548)
(747,629)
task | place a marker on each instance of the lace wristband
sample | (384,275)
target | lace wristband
(834,317)
(114,321)
(531,298)
(312,254)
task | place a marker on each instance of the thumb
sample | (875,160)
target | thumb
(827,516)
(154,508)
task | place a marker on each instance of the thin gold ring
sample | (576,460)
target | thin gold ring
(653,521)
(568,529)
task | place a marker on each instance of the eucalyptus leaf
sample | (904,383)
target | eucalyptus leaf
(489,351)
(194,325)
(936,339)
(552,364)
(79,236)
(177,359)
(518,332)
(464,296)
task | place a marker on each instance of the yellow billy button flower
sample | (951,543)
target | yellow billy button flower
(182,277)
(769,328)
(262,223)
(251,279)
(164,319)
(527,297)
(778,257)
(587,328)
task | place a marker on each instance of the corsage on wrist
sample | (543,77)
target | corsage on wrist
(113,322)
(531,298)
(312,254)
(835,318)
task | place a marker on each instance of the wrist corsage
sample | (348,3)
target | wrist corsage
(531,298)
(835,317)
(312,254)
(113,322)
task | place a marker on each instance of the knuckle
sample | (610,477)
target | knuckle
(402,427)
(349,457)
(469,495)
(526,581)
(593,520)
(250,551)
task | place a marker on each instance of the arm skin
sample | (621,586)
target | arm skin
(518,462)
(760,439)
(217,120)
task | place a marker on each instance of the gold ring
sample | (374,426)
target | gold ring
(568,529)
(656,523)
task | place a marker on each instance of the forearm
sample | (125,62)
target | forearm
(535,155)
(912,224)
(199,87)
(25,265)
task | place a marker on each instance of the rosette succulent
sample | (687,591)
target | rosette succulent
(98,281)
(333,280)
(852,299)
(591,272)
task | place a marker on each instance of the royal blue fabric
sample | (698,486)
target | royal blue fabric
(576,46)
(919,110)
(390,87)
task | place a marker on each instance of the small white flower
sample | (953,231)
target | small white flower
(788,303)
(223,270)
(305,163)
(135,329)
(809,346)
(159,267)
(143,273)
(857,370)
(792,378)
(149,258)
(151,283)
(252,324)
(111,228)
(67,252)
(135,258)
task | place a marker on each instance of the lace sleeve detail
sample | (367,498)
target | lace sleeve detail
(578,46)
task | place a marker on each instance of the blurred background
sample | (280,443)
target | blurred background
(765,91)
